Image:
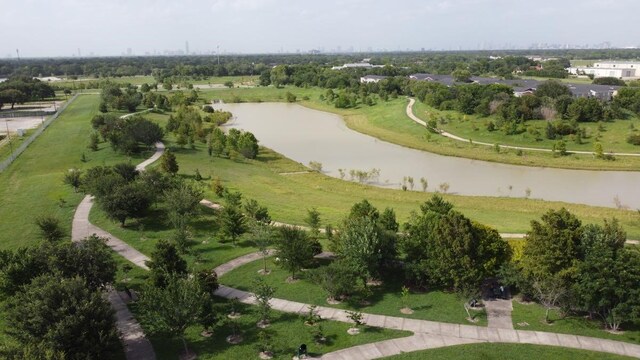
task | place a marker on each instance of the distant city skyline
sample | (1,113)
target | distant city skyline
(77,28)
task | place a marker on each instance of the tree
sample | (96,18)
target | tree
(165,262)
(361,244)
(461,75)
(586,109)
(50,228)
(258,213)
(173,308)
(338,279)
(446,249)
(549,291)
(182,204)
(262,237)
(62,314)
(232,222)
(91,259)
(553,89)
(73,178)
(313,221)
(607,279)
(263,293)
(598,151)
(552,246)
(294,249)
(169,163)
(126,201)
(13,96)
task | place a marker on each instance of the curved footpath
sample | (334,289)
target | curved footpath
(136,345)
(413,117)
(427,334)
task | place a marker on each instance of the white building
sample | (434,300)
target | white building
(371,79)
(617,69)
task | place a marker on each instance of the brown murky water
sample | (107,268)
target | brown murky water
(306,135)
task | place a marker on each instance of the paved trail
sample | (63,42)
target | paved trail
(413,117)
(136,345)
(427,334)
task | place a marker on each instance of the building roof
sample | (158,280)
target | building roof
(375,77)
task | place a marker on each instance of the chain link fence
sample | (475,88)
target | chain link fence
(14,155)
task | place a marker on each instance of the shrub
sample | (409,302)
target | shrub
(634,139)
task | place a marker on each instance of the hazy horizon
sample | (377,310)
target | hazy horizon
(69,28)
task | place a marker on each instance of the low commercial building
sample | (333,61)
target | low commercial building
(371,79)
(616,69)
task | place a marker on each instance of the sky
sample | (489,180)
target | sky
(42,28)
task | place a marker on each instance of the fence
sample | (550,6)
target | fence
(14,155)
(25,113)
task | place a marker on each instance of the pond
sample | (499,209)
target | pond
(305,135)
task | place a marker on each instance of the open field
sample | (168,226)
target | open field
(505,352)
(385,299)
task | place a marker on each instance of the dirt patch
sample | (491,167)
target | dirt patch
(265,355)
(406,311)
(353,331)
(234,315)
(291,280)
(263,272)
(263,324)
(234,339)
(333,301)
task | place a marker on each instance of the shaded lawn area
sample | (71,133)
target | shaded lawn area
(505,352)
(385,299)
(288,332)
(533,314)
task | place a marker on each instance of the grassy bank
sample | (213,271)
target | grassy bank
(505,352)
(388,121)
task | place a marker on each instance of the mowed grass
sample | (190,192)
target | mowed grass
(533,315)
(613,138)
(33,185)
(384,299)
(288,196)
(498,351)
(288,331)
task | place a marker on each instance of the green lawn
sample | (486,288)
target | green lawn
(505,352)
(139,80)
(288,331)
(33,186)
(385,299)
(533,314)
(474,127)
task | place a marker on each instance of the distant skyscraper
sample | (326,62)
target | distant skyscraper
(129,51)
(186,48)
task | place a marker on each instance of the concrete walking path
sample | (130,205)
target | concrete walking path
(427,334)
(413,117)
(499,313)
(136,345)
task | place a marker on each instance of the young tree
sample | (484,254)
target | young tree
(257,212)
(263,293)
(50,228)
(62,314)
(338,279)
(73,178)
(166,262)
(262,237)
(232,222)
(313,221)
(294,249)
(169,163)
(549,291)
(173,308)
(182,204)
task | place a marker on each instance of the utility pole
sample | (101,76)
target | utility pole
(18,53)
